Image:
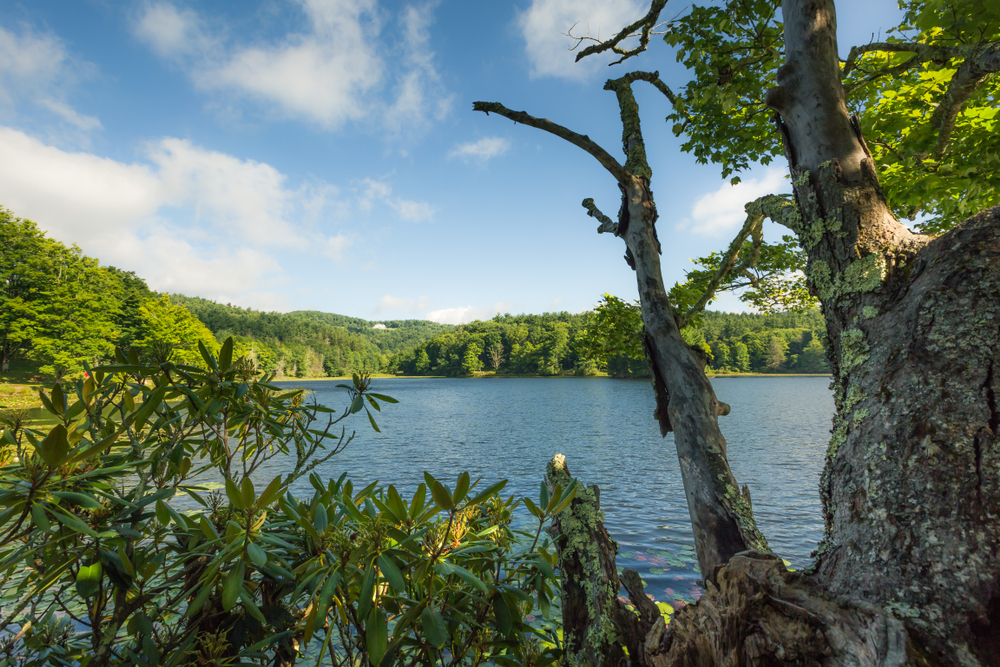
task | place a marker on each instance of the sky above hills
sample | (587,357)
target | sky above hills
(324,155)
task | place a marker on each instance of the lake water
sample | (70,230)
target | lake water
(509,428)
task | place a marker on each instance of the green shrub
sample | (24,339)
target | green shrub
(115,548)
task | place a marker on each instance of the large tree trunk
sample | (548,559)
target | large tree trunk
(911,487)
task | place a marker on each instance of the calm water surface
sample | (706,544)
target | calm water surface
(509,428)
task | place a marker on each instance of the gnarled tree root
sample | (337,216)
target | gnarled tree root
(758,613)
(755,613)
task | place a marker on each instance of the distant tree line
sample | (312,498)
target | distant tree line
(508,344)
(609,340)
(60,309)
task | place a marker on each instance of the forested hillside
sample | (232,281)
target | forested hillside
(60,309)
(397,336)
(286,344)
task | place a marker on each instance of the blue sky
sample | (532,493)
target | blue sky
(323,154)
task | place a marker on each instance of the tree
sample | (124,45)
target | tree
(741,357)
(423,362)
(721,356)
(471,362)
(170,324)
(495,356)
(75,324)
(813,358)
(777,350)
(912,324)
(23,269)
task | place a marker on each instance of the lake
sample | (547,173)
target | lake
(509,428)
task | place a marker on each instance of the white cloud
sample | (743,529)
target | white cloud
(332,71)
(482,150)
(335,246)
(414,211)
(419,92)
(192,220)
(241,197)
(37,69)
(391,304)
(721,212)
(464,314)
(174,33)
(545,22)
(373,190)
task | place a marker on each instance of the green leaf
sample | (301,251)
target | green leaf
(461,488)
(39,517)
(84,452)
(383,397)
(445,569)
(358,403)
(249,494)
(207,356)
(257,555)
(502,613)
(372,420)
(434,627)
(269,493)
(73,523)
(234,495)
(326,594)
(226,355)
(162,513)
(139,417)
(58,398)
(54,447)
(250,606)
(81,499)
(320,520)
(489,491)
(417,503)
(233,584)
(568,496)
(532,508)
(367,592)
(391,573)
(440,494)
(88,580)
(376,636)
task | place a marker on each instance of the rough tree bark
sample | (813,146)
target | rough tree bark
(908,570)
(911,488)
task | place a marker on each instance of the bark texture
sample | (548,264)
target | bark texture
(911,487)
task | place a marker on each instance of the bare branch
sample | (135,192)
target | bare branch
(645,24)
(775,207)
(579,140)
(653,78)
(608,226)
